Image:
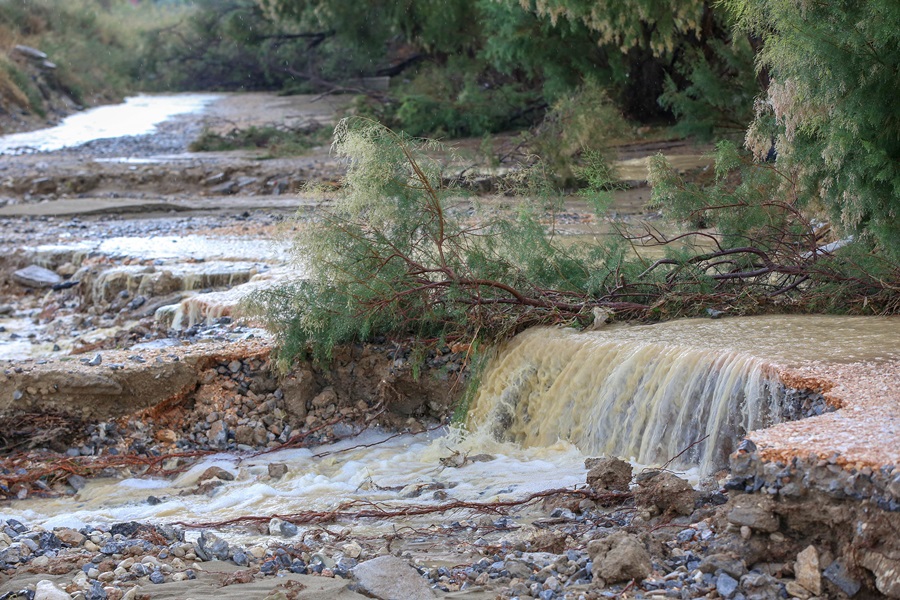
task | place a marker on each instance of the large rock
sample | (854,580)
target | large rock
(619,557)
(667,492)
(838,574)
(806,570)
(753,510)
(886,571)
(759,586)
(722,562)
(46,590)
(34,276)
(299,388)
(212,547)
(391,578)
(608,474)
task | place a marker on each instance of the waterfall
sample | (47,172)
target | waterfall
(634,398)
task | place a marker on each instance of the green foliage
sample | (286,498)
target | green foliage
(459,99)
(27,91)
(441,26)
(718,90)
(835,70)
(583,122)
(401,255)
(739,205)
(554,56)
(398,255)
(544,50)
(625,24)
(95,45)
(755,240)
(229,45)
(278,142)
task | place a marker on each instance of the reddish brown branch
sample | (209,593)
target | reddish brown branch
(310,517)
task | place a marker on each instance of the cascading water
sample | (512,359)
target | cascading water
(632,398)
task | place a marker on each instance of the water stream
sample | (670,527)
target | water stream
(551,398)
(138,115)
(648,393)
(397,471)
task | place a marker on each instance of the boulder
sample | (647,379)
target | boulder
(35,276)
(667,492)
(886,571)
(806,570)
(324,398)
(721,562)
(46,590)
(277,470)
(299,388)
(608,474)
(753,510)
(759,586)
(619,557)
(838,574)
(391,578)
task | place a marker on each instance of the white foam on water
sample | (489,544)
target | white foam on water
(374,476)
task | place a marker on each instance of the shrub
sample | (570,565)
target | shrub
(832,108)
(278,141)
(585,121)
(398,255)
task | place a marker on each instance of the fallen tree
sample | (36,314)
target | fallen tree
(399,252)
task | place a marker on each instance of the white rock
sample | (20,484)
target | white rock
(132,593)
(351,550)
(34,276)
(45,590)
(40,562)
(806,570)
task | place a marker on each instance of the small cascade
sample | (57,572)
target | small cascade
(101,286)
(206,308)
(633,398)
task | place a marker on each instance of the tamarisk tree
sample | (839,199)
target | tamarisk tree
(832,107)
(401,252)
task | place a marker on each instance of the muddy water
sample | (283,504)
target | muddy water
(555,396)
(394,473)
(650,392)
(136,116)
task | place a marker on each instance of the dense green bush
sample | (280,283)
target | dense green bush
(584,122)
(716,93)
(461,98)
(398,255)
(277,141)
(832,107)
(226,45)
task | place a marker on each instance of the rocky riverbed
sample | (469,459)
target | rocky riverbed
(152,449)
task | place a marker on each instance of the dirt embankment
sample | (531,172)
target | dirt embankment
(32,95)
(156,397)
